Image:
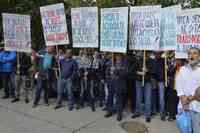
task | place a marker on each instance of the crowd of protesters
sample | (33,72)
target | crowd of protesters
(113,82)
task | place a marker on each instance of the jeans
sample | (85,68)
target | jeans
(195,121)
(115,92)
(87,87)
(161,89)
(147,90)
(9,84)
(42,84)
(65,85)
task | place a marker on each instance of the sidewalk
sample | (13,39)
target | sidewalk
(22,118)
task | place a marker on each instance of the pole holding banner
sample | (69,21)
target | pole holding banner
(18,64)
(144,67)
(57,52)
(113,58)
(166,68)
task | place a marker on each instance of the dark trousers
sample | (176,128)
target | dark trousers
(42,85)
(115,91)
(171,102)
(132,89)
(8,80)
(87,92)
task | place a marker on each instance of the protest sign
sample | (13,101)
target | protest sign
(54,24)
(17,32)
(85,27)
(114,23)
(144,28)
(168,28)
(188,31)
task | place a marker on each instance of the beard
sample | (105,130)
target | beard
(194,63)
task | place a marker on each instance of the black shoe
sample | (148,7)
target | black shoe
(108,114)
(15,100)
(77,107)
(57,107)
(162,118)
(93,109)
(26,101)
(104,109)
(119,117)
(135,115)
(34,105)
(148,120)
(5,97)
(70,108)
(100,104)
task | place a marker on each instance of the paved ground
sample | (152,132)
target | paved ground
(22,118)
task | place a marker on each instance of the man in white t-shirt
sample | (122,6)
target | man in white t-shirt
(188,87)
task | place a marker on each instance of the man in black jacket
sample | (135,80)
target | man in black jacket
(149,72)
(23,77)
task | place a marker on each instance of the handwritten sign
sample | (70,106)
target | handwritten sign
(85,27)
(17,32)
(188,31)
(145,28)
(54,24)
(114,23)
(168,28)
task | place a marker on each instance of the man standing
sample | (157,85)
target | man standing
(187,86)
(7,60)
(146,90)
(160,78)
(69,69)
(44,77)
(23,78)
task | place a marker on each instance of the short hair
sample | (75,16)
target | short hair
(195,48)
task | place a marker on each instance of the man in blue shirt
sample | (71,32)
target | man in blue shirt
(44,78)
(7,59)
(69,68)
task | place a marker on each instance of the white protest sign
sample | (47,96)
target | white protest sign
(54,24)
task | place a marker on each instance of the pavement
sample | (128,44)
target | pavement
(22,118)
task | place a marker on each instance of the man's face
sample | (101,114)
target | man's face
(68,54)
(193,55)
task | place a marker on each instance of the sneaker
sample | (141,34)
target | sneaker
(135,115)
(26,100)
(15,100)
(46,104)
(108,114)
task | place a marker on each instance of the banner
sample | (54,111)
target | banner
(17,32)
(144,28)
(85,27)
(114,23)
(54,24)
(168,28)
(188,31)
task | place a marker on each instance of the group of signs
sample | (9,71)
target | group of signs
(142,28)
